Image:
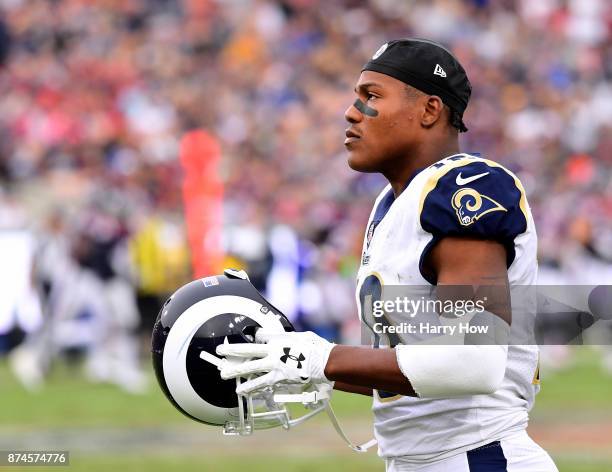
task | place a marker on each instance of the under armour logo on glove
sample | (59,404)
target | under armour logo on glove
(297,359)
(270,356)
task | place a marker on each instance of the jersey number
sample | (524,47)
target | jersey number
(370,292)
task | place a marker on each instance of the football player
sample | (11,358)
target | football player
(446,219)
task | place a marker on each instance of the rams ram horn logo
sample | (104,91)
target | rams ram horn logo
(470,205)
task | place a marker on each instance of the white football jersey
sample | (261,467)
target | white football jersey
(460,195)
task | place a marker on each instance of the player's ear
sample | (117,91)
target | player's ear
(432,110)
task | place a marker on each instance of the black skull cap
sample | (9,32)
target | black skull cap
(427,66)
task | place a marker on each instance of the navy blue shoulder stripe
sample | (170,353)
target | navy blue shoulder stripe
(473,198)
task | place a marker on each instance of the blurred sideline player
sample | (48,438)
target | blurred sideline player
(445,219)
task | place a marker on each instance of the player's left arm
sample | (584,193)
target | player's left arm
(414,370)
(473,262)
(456,261)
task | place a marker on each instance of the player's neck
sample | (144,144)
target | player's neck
(427,154)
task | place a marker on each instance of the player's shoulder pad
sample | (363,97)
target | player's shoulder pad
(470,196)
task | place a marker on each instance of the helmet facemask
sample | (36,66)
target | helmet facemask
(268,407)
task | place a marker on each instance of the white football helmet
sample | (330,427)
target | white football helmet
(192,323)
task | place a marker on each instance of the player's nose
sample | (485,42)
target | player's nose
(352,115)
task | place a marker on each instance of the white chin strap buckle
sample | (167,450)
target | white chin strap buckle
(305,398)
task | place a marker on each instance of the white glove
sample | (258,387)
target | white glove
(286,357)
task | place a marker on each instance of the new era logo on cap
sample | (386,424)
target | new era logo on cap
(439,71)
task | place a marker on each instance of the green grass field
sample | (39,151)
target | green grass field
(107,430)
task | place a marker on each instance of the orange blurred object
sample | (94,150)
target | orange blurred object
(200,154)
(580,169)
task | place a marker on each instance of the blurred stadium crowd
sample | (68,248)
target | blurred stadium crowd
(97,94)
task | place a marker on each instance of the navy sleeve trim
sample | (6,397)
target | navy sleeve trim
(471,197)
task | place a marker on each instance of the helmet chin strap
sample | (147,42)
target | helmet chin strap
(336,424)
(322,396)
